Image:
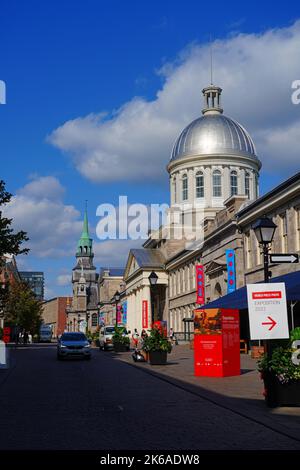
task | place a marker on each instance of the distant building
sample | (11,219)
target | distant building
(110,281)
(55,314)
(35,280)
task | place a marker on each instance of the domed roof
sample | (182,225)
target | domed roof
(213,133)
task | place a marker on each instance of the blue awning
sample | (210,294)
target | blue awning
(238,298)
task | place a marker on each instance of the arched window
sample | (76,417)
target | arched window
(247,185)
(184,187)
(199,184)
(94,319)
(233,183)
(85,249)
(217,184)
(218,290)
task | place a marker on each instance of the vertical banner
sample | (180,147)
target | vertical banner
(119,314)
(231,278)
(200,284)
(124,308)
(6,334)
(145,314)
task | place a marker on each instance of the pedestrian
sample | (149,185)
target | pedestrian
(144,334)
(172,336)
(25,337)
(135,338)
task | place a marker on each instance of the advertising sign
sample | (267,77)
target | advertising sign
(267,311)
(145,314)
(231,278)
(216,342)
(200,289)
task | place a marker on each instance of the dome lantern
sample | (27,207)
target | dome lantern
(212,100)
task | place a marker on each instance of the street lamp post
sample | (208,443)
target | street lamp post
(153,277)
(78,322)
(264,229)
(117,299)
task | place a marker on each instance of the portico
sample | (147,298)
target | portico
(145,303)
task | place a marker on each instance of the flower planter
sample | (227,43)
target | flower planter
(281,394)
(119,347)
(158,358)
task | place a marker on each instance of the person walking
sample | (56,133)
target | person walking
(25,337)
(135,338)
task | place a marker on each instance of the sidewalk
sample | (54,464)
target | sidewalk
(241,394)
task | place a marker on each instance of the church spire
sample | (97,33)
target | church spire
(85,243)
(85,230)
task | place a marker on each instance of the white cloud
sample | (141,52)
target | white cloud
(114,253)
(52,226)
(45,187)
(64,280)
(255,71)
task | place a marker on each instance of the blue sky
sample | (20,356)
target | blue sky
(64,60)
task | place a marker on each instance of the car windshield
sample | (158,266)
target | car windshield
(73,337)
(109,330)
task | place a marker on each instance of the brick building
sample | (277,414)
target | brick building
(55,314)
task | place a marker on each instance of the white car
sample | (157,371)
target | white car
(105,337)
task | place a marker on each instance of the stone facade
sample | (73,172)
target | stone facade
(110,281)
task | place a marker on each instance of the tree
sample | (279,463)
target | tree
(22,308)
(10,242)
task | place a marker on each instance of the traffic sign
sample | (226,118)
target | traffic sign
(267,311)
(284,258)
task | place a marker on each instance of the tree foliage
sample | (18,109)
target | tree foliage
(22,308)
(10,242)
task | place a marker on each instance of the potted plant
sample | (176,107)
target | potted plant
(281,374)
(120,340)
(157,345)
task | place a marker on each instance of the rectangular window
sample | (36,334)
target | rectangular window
(184,188)
(297,213)
(199,185)
(217,185)
(248,252)
(284,233)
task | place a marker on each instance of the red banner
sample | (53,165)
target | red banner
(119,314)
(200,289)
(6,334)
(145,314)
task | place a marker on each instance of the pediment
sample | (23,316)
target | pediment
(215,266)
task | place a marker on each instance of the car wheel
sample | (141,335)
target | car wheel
(59,358)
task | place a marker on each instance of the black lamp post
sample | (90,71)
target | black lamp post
(78,321)
(264,230)
(153,277)
(117,299)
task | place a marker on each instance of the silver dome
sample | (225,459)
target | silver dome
(214,134)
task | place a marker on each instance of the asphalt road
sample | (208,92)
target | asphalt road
(104,404)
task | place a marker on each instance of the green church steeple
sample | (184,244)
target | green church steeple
(85,243)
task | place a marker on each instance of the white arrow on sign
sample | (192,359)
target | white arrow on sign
(284,258)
